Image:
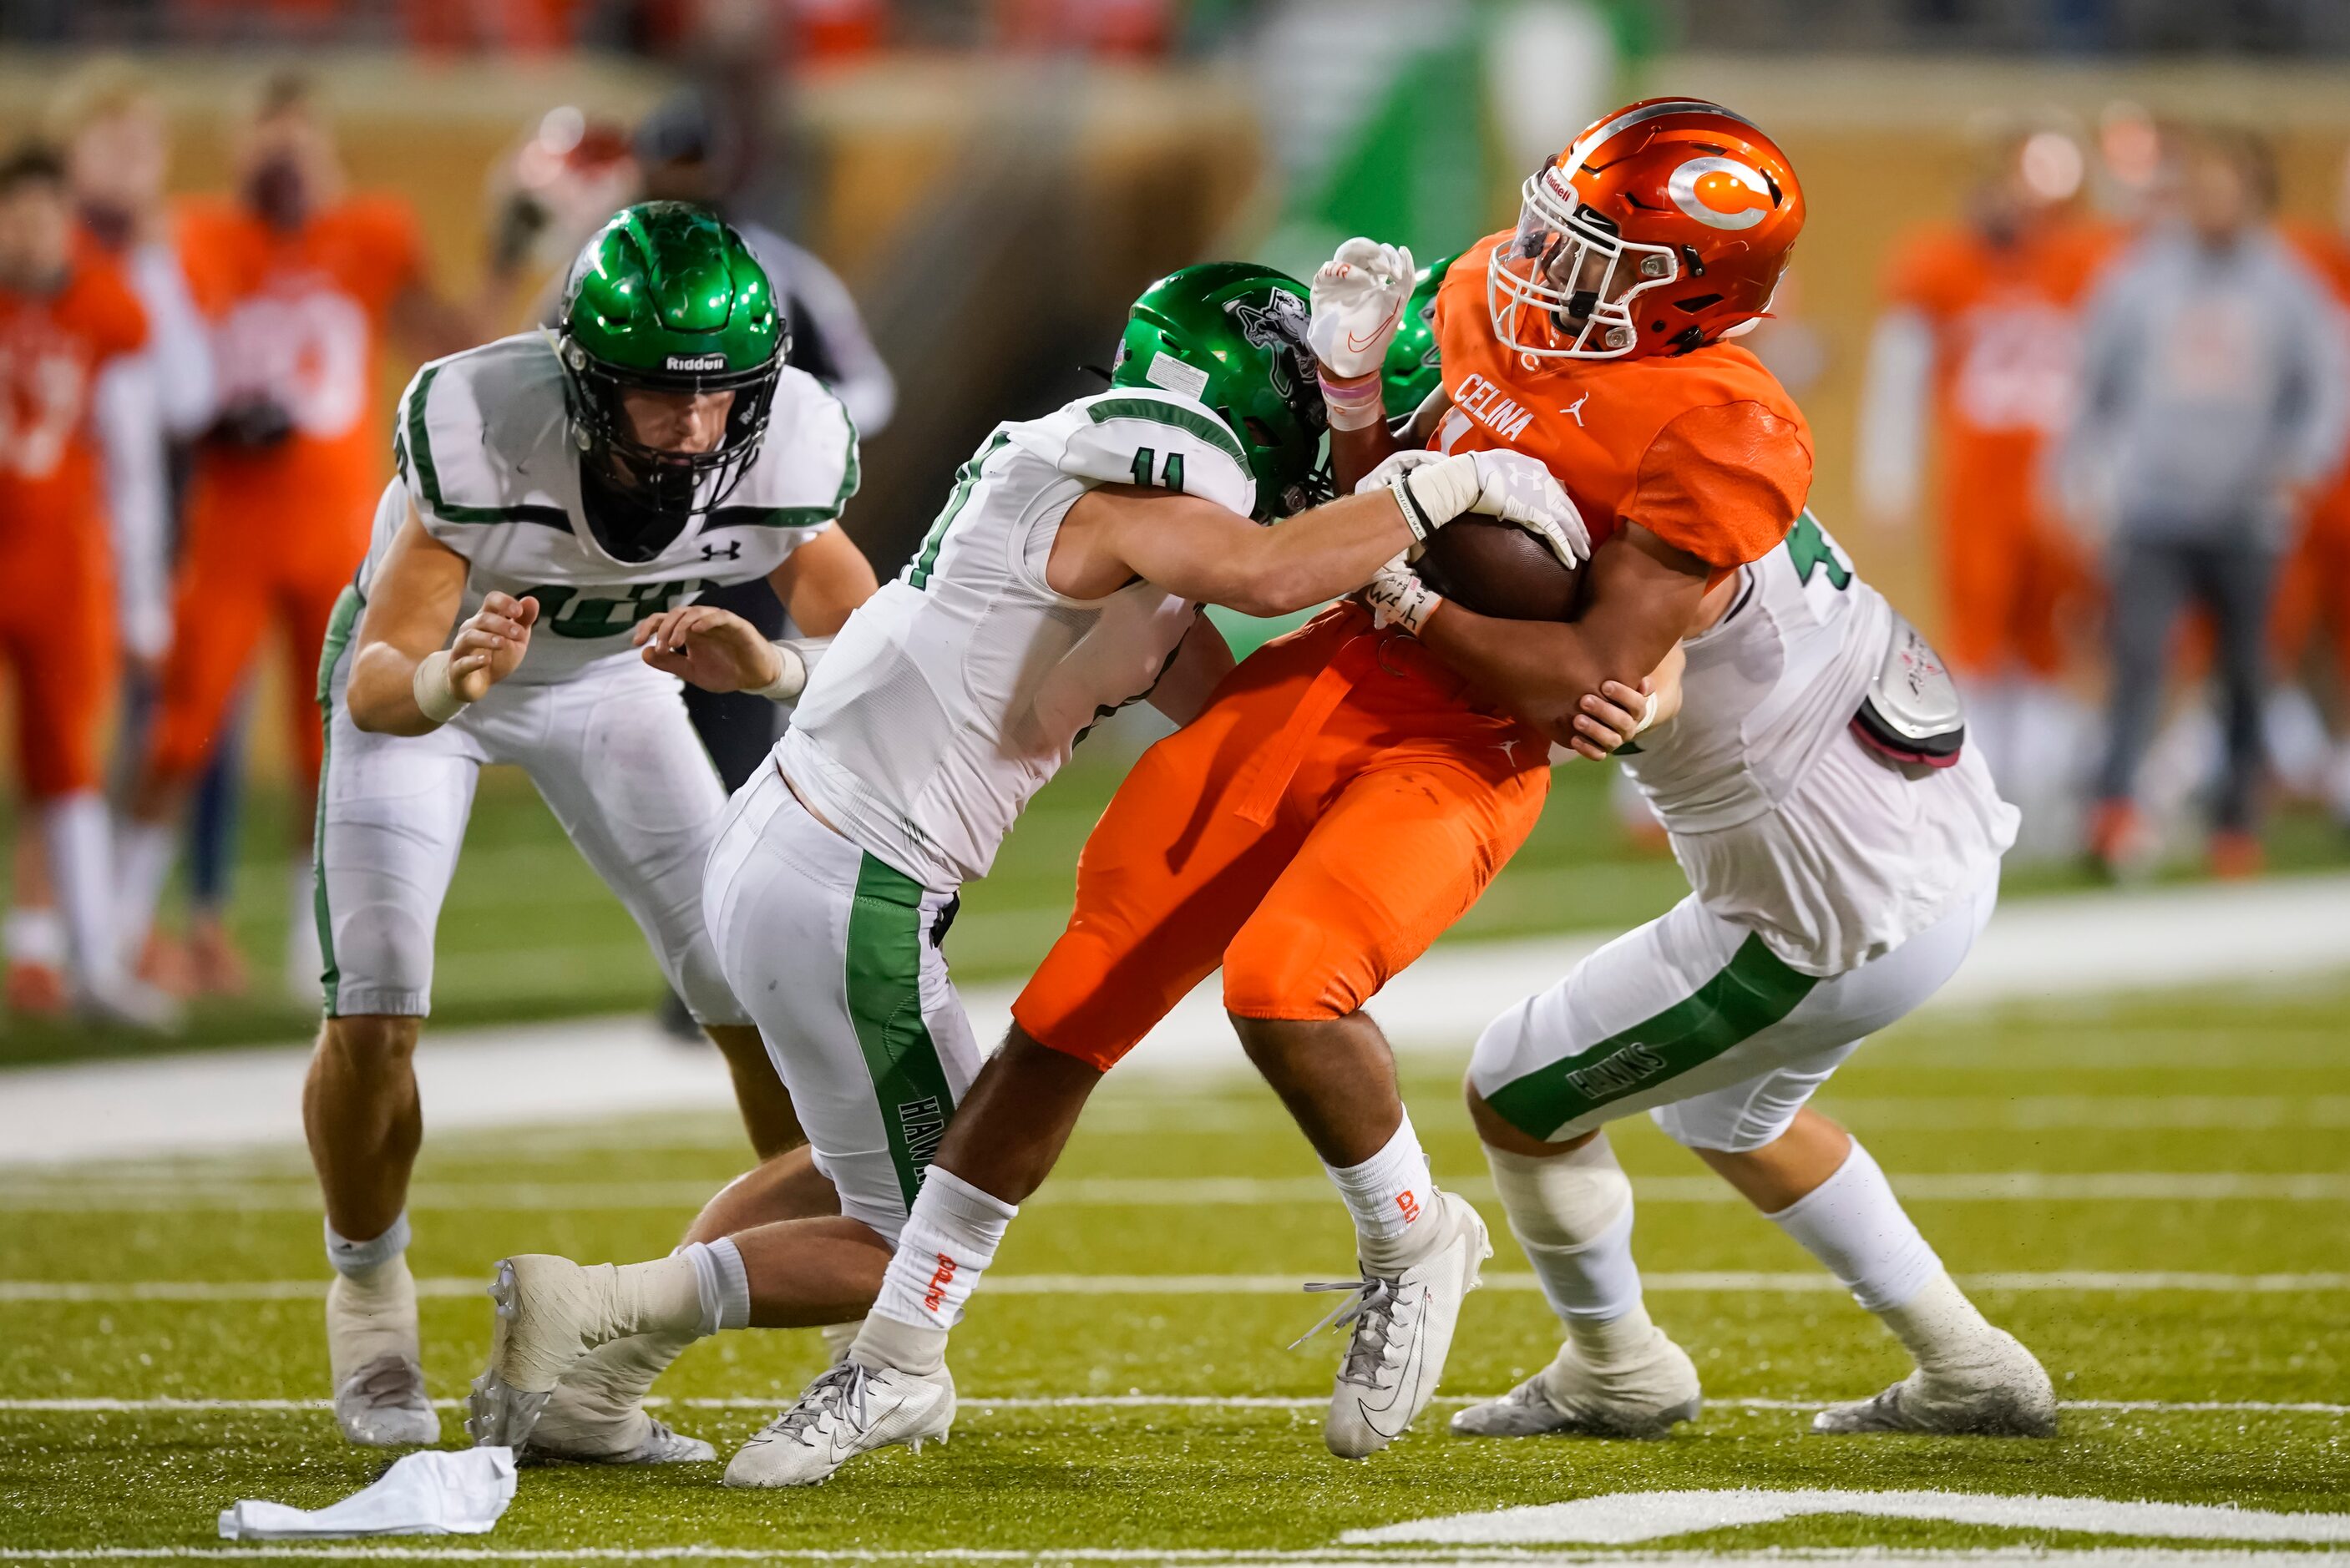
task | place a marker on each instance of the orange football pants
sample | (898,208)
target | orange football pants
(1335,807)
(227,595)
(58,637)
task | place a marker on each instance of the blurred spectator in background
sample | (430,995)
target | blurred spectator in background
(300,282)
(2212,402)
(1980,329)
(118,152)
(69,323)
(2313,589)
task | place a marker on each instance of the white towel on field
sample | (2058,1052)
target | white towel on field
(437,1492)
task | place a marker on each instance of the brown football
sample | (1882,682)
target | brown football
(1499,570)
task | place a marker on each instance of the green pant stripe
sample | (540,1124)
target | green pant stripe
(339,627)
(885,1004)
(1753,991)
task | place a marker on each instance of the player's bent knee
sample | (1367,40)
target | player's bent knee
(1281,972)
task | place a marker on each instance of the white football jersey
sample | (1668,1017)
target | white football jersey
(1782,819)
(484,452)
(953,693)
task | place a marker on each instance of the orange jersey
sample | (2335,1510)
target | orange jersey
(299,319)
(52,347)
(1704,450)
(2006,323)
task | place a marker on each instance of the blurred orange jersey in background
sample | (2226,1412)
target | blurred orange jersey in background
(56,605)
(276,526)
(2314,584)
(2006,325)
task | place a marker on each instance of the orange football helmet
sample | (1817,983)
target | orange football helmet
(1664,227)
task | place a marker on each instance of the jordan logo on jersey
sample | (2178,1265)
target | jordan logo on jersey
(1492,407)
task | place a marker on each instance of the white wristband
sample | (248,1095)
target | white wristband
(1434,493)
(436,698)
(795,660)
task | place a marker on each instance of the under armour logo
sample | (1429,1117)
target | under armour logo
(1576,408)
(734,552)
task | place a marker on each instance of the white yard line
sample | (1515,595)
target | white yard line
(1330,1557)
(2262,933)
(300,1194)
(35,1291)
(167,1405)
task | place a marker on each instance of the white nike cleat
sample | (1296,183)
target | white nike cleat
(1401,1332)
(849,1410)
(550,1313)
(382,1406)
(1647,1398)
(643,1441)
(2006,1395)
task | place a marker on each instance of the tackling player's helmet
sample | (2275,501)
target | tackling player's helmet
(667,298)
(1412,370)
(1233,336)
(1665,227)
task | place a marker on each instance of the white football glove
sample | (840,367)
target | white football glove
(1505,484)
(1398,597)
(1358,296)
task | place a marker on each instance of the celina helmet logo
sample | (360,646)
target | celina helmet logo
(1721,192)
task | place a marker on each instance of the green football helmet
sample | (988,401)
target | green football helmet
(1411,370)
(666,298)
(1233,336)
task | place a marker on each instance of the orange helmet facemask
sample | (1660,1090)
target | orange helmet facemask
(1665,227)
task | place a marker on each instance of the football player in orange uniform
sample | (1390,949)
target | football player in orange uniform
(300,283)
(1348,791)
(1981,326)
(67,316)
(2313,587)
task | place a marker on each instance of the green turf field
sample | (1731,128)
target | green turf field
(2150,1192)
(579,953)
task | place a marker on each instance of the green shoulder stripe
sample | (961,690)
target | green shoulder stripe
(1189,420)
(852,476)
(428,475)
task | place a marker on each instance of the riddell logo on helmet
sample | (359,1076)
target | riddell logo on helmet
(1721,192)
(696,362)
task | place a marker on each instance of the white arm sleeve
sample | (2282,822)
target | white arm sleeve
(127,412)
(179,343)
(1892,457)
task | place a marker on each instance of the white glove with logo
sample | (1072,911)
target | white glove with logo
(1398,597)
(1505,484)
(1358,296)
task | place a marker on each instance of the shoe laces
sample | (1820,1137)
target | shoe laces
(1370,1309)
(837,1395)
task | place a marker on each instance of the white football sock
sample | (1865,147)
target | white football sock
(722,1285)
(371,1304)
(74,832)
(33,937)
(1855,1227)
(838,1338)
(1388,1195)
(144,851)
(1571,1213)
(948,1242)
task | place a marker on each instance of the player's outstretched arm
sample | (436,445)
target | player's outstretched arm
(407,676)
(1193,547)
(821,581)
(1644,596)
(1358,296)
(1201,662)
